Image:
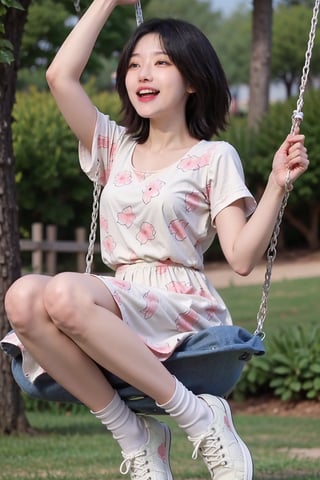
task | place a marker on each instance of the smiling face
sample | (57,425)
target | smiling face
(155,86)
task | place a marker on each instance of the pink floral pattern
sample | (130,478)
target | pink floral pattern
(122,179)
(192,201)
(152,303)
(146,233)
(109,244)
(152,190)
(178,229)
(195,163)
(188,321)
(155,227)
(126,217)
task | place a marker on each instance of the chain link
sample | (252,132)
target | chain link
(297,118)
(94,220)
(139,14)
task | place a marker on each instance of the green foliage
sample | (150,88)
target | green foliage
(6,51)
(50,185)
(198,13)
(50,21)
(6,47)
(296,364)
(45,31)
(272,131)
(234,50)
(289,370)
(38,405)
(257,148)
(289,44)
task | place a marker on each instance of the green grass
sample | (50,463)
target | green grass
(76,447)
(291,302)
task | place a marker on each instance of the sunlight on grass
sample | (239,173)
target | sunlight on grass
(76,447)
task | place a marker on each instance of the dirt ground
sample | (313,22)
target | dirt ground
(275,407)
(295,264)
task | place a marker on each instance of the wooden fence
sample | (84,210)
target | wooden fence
(44,248)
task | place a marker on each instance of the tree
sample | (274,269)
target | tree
(12,21)
(49,22)
(234,50)
(260,60)
(302,213)
(290,39)
(56,191)
(198,13)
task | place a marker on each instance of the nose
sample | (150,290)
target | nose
(145,73)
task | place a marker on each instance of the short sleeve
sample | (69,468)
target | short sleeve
(226,181)
(107,137)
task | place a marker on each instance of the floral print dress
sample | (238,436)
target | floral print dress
(154,229)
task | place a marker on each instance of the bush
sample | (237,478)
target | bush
(290,369)
(51,187)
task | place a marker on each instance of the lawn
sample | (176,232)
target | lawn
(75,446)
(291,302)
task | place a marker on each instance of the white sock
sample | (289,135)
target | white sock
(190,412)
(127,428)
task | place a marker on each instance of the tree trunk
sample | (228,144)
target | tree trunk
(309,231)
(260,61)
(12,417)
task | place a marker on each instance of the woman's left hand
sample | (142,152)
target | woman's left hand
(292,158)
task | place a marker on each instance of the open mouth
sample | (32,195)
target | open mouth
(147,92)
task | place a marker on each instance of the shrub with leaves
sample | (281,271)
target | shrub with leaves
(51,186)
(290,369)
(295,364)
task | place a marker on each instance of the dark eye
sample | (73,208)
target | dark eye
(133,65)
(163,62)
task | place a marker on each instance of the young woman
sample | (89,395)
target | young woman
(168,189)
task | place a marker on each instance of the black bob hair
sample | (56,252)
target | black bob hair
(191,52)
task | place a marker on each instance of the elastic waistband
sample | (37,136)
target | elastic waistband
(165,264)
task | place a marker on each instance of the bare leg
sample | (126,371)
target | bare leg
(68,320)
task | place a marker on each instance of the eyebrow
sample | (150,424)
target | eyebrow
(157,52)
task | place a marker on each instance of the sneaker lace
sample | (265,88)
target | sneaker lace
(136,464)
(211,449)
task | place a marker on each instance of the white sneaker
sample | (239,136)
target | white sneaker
(152,461)
(224,453)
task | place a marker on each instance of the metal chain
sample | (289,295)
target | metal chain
(297,118)
(96,184)
(271,256)
(139,14)
(94,220)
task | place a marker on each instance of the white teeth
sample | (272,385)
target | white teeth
(147,92)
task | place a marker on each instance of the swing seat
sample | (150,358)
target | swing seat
(210,361)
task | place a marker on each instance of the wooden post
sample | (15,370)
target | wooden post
(51,256)
(37,230)
(81,256)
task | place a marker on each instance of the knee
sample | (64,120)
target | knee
(66,303)
(23,302)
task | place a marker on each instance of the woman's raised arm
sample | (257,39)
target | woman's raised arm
(63,75)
